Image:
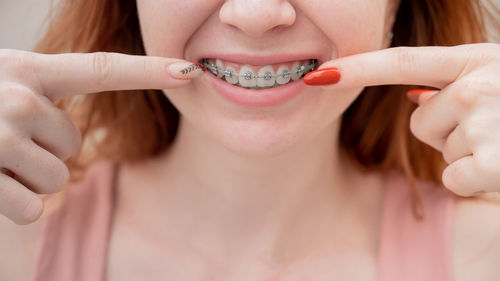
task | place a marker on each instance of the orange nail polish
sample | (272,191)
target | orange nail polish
(414,93)
(325,76)
(418,91)
(201,66)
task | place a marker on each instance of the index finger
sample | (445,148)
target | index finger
(426,66)
(64,75)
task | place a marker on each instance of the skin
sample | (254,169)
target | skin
(270,184)
(278,171)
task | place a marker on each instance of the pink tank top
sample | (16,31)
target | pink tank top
(75,236)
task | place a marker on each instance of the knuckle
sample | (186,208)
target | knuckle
(102,64)
(8,139)
(474,131)
(31,211)
(406,59)
(362,74)
(466,96)
(484,86)
(19,103)
(487,163)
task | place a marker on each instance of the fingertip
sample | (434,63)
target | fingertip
(323,77)
(185,70)
(32,211)
(419,96)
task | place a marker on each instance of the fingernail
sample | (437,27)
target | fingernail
(186,70)
(325,76)
(414,93)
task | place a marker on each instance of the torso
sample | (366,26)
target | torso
(159,257)
(473,252)
(132,256)
(174,260)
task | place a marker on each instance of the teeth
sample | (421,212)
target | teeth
(220,66)
(229,76)
(283,75)
(295,67)
(266,78)
(247,78)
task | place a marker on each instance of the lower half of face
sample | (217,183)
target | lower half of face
(259,131)
(252,100)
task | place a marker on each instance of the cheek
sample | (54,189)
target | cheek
(167,25)
(353,26)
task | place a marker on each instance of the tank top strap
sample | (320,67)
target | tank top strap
(412,249)
(74,240)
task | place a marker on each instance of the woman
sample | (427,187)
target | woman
(281,146)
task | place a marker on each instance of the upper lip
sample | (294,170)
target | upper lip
(240,58)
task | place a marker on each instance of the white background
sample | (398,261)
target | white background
(22,22)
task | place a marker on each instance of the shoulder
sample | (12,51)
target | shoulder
(477,237)
(475,229)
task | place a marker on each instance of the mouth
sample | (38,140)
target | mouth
(259,77)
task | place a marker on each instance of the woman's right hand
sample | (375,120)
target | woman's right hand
(36,137)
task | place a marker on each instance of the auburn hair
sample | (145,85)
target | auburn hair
(374,134)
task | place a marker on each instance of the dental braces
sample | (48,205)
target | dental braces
(267,76)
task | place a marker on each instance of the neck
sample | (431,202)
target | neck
(241,203)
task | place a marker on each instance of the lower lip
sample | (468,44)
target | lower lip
(255,98)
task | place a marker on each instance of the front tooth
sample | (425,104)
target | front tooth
(283,70)
(295,67)
(266,72)
(220,67)
(233,79)
(247,78)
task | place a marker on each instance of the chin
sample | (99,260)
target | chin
(257,139)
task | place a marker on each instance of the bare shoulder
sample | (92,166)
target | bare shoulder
(477,238)
(18,248)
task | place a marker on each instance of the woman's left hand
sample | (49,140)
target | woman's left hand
(461,118)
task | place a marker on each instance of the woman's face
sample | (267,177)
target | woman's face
(323,29)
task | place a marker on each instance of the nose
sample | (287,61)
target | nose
(256,17)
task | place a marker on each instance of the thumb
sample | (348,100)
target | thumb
(420,96)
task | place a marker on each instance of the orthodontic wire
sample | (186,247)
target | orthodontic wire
(248,75)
